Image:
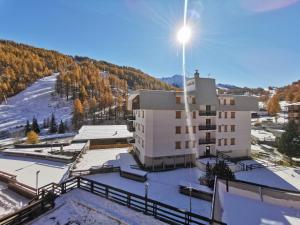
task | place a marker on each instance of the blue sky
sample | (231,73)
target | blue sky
(246,42)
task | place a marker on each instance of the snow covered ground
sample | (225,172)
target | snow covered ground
(37,100)
(242,207)
(84,208)
(25,169)
(100,157)
(9,200)
(262,135)
(279,176)
(163,186)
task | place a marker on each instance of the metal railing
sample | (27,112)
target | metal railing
(207,127)
(207,141)
(207,113)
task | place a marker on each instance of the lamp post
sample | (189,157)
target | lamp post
(146,196)
(37,181)
(190,194)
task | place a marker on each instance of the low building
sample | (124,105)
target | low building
(166,134)
(294,113)
(101,136)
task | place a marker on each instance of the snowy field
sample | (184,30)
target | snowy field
(262,135)
(25,169)
(37,100)
(163,186)
(252,211)
(9,200)
(100,157)
(81,207)
(279,176)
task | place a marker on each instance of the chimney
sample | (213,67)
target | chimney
(196,74)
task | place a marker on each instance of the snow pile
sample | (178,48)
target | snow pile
(37,100)
(84,208)
(10,201)
(162,186)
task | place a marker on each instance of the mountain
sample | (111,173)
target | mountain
(21,65)
(38,100)
(175,80)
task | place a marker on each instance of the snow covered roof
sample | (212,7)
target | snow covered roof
(103,132)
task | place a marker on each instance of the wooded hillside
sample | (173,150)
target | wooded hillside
(21,65)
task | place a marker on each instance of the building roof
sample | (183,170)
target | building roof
(103,132)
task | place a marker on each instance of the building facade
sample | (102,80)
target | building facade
(294,114)
(168,134)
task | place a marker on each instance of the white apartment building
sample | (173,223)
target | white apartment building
(218,123)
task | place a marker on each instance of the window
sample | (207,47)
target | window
(225,102)
(194,144)
(220,115)
(232,141)
(193,100)
(208,122)
(232,102)
(143,114)
(232,128)
(219,142)
(178,114)
(187,144)
(232,115)
(142,143)
(194,129)
(143,128)
(225,141)
(186,129)
(208,108)
(225,115)
(139,113)
(178,100)
(194,114)
(139,127)
(178,130)
(225,128)
(220,128)
(177,145)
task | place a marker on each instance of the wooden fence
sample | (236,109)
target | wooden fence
(161,211)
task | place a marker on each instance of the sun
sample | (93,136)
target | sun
(184,34)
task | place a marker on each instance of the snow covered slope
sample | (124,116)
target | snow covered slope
(38,100)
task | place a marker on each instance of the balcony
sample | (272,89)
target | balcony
(207,127)
(130,118)
(207,113)
(207,141)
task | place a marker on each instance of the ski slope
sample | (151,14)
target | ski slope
(37,100)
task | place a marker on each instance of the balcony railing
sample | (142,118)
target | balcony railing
(207,113)
(207,141)
(131,118)
(207,127)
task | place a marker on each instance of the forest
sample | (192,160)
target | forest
(98,89)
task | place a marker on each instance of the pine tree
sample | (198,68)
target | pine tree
(27,127)
(53,125)
(221,170)
(61,128)
(289,143)
(32,137)
(35,126)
